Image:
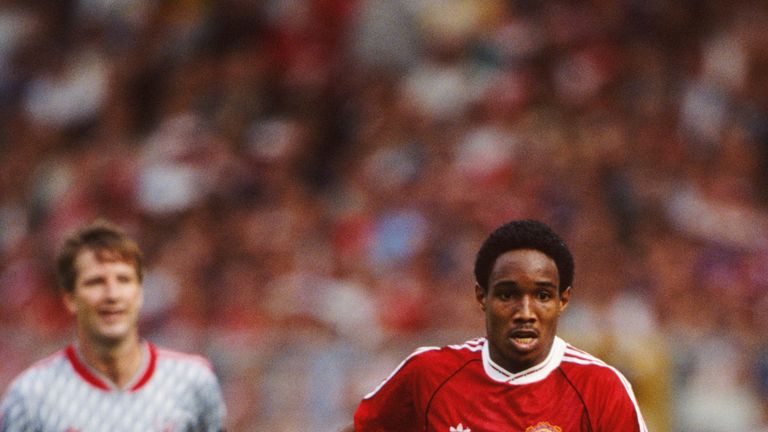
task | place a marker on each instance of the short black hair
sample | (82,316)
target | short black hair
(524,234)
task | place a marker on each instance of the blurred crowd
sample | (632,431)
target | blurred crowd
(310,181)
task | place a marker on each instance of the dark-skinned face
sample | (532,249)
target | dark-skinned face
(522,306)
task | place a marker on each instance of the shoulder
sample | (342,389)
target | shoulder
(50,366)
(183,366)
(447,357)
(583,367)
(429,364)
(39,376)
(438,362)
(180,358)
(192,375)
(604,390)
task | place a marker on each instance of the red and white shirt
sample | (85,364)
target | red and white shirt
(459,388)
(172,392)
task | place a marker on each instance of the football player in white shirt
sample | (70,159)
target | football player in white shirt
(110,379)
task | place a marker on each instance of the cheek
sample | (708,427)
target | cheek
(83,302)
(495,316)
(550,316)
(133,295)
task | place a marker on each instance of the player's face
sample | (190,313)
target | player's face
(522,306)
(106,299)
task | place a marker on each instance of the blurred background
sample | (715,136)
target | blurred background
(310,181)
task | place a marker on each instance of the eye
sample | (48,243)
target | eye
(124,279)
(544,296)
(94,281)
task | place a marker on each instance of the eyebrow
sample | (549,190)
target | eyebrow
(513,284)
(92,279)
(119,275)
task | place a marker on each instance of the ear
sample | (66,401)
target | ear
(480,296)
(565,297)
(69,302)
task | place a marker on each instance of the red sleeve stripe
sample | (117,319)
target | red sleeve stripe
(471,345)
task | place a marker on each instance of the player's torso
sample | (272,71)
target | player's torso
(471,401)
(164,404)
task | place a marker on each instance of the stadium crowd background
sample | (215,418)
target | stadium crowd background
(310,180)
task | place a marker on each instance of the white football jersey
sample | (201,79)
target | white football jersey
(172,392)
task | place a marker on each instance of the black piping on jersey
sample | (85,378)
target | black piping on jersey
(578,394)
(434,393)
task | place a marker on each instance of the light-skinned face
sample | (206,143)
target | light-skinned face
(106,299)
(522,306)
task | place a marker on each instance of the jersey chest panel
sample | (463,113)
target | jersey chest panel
(77,406)
(476,402)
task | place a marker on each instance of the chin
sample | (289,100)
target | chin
(526,358)
(111,340)
(112,336)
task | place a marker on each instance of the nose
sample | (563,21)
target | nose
(111,288)
(524,310)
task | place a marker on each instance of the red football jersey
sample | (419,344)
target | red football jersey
(459,388)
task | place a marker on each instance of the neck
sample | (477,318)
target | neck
(119,363)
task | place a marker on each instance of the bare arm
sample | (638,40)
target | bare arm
(350,428)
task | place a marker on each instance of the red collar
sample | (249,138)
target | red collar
(100,383)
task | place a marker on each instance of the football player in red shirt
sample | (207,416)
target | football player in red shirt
(521,376)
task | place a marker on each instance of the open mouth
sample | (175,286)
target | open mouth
(524,340)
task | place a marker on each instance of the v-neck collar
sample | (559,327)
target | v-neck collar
(530,375)
(98,380)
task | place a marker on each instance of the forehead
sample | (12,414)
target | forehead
(90,261)
(524,263)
